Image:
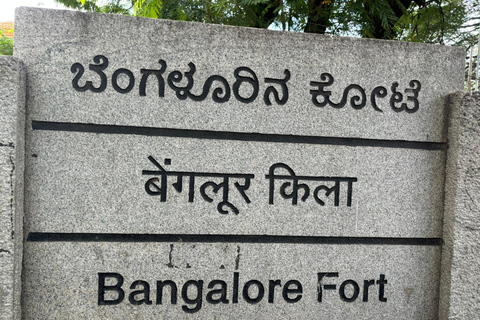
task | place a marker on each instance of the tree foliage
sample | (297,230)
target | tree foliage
(453,22)
(6,45)
(111,6)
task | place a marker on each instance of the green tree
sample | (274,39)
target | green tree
(6,45)
(112,6)
(432,21)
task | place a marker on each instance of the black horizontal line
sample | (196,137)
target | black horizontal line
(226,238)
(238,136)
(205,174)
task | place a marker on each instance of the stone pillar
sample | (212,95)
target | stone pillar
(12,131)
(460,283)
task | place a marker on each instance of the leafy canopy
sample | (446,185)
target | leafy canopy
(451,22)
(431,21)
(6,45)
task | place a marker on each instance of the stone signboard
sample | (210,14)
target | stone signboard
(12,128)
(184,170)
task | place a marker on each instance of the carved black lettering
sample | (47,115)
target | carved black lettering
(321,97)
(159,75)
(327,80)
(177,77)
(273,90)
(327,193)
(102,288)
(77,67)
(292,183)
(396,97)
(173,291)
(378,92)
(224,207)
(197,300)
(222,291)
(153,189)
(321,286)
(235,285)
(260,291)
(219,94)
(357,102)
(101,64)
(216,187)
(366,285)
(381,291)
(415,87)
(145,291)
(252,80)
(271,289)
(292,287)
(356,290)
(131,80)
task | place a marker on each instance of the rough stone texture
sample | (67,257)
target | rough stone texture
(86,182)
(460,263)
(51,41)
(67,287)
(398,192)
(12,127)
(92,182)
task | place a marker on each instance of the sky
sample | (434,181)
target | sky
(7,7)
